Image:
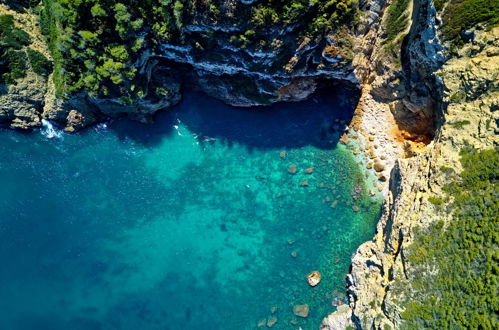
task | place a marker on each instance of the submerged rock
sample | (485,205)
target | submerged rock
(314,278)
(304,183)
(271,321)
(309,170)
(301,310)
(292,169)
(283,154)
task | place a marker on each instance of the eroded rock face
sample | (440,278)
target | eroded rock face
(379,284)
(283,66)
(21,104)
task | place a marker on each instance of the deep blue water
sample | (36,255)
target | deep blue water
(189,223)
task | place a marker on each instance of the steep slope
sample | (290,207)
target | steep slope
(130,58)
(383,281)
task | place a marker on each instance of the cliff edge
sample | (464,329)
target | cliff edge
(381,278)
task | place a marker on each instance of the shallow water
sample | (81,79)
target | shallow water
(186,224)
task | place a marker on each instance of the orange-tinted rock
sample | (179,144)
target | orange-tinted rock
(304,183)
(282,154)
(344,139)
(314,278)
(292,169)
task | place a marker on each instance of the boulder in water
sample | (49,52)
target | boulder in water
(292,169)
(304,183)
(309,170)
(301,310)
(378,167)
(314,278)
(282,154)
(271,321)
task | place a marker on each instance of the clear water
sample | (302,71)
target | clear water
(186,224)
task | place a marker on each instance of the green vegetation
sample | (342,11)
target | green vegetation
(14,67)
(11,36)
(103,40)
(396,24)
(457,97)
(446,169)
(15,57)
(462,294)
(39,63)
(12,58)
(460,124)
(397,19)
(460,15)
(437,201)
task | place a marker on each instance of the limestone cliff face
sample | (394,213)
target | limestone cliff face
(285,67)
(21,104)
(380,277)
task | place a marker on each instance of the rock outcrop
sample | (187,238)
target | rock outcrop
(286,66)
(380,276)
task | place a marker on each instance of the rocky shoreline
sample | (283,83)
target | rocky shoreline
(407,125)
(380,276)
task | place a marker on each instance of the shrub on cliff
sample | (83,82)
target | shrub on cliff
(14,66)
(87,29)
(460,15)
(12,58)
(39,63)
(10,35)
(455,268)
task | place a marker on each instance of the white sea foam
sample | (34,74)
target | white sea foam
(49,131)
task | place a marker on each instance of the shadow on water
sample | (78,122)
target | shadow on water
(283,125)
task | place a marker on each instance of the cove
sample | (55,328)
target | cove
(193,222)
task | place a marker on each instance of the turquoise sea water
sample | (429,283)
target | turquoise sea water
(190,223)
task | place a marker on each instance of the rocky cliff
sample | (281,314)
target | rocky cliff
(460,98)
(241,52)
(418,106)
